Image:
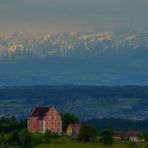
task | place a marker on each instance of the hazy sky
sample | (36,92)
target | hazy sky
(72,15)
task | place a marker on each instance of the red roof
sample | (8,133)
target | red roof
(126,133)
(132,133)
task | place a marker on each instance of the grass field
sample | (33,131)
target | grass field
(80,145)
(66,142)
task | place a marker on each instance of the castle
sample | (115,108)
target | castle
(42,119)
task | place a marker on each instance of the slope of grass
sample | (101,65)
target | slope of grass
(66,142)
(88,145)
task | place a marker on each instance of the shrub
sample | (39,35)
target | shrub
(13,138)
(47,136)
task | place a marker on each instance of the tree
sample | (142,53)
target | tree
(106,136)
(68,118)
(9,125)
(141,136)
(87,133)
(13,119)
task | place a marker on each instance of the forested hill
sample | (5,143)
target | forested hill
(87,102)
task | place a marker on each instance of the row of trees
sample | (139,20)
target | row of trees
(89,134)
(9,124)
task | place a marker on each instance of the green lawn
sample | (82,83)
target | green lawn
(80,145)
(66,142)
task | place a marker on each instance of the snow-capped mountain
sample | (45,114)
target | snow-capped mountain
(21,45)
(107,58)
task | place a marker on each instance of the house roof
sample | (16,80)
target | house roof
(40,112)
(132,133)
(126,133)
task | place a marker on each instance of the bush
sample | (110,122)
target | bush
(13,138)
(21,138)
(24,137)
(47,136)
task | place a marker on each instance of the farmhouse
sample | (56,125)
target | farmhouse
(73,130)
(42,119)
(128,135)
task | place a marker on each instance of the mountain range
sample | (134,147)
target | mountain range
(107,58)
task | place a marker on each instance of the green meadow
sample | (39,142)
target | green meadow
(88,145)
(66,142)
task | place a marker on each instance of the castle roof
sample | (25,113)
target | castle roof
(39,112)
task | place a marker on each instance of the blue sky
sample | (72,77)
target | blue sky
(72,15)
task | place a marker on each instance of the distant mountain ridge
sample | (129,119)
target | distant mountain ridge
(82,45)
(107,58)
